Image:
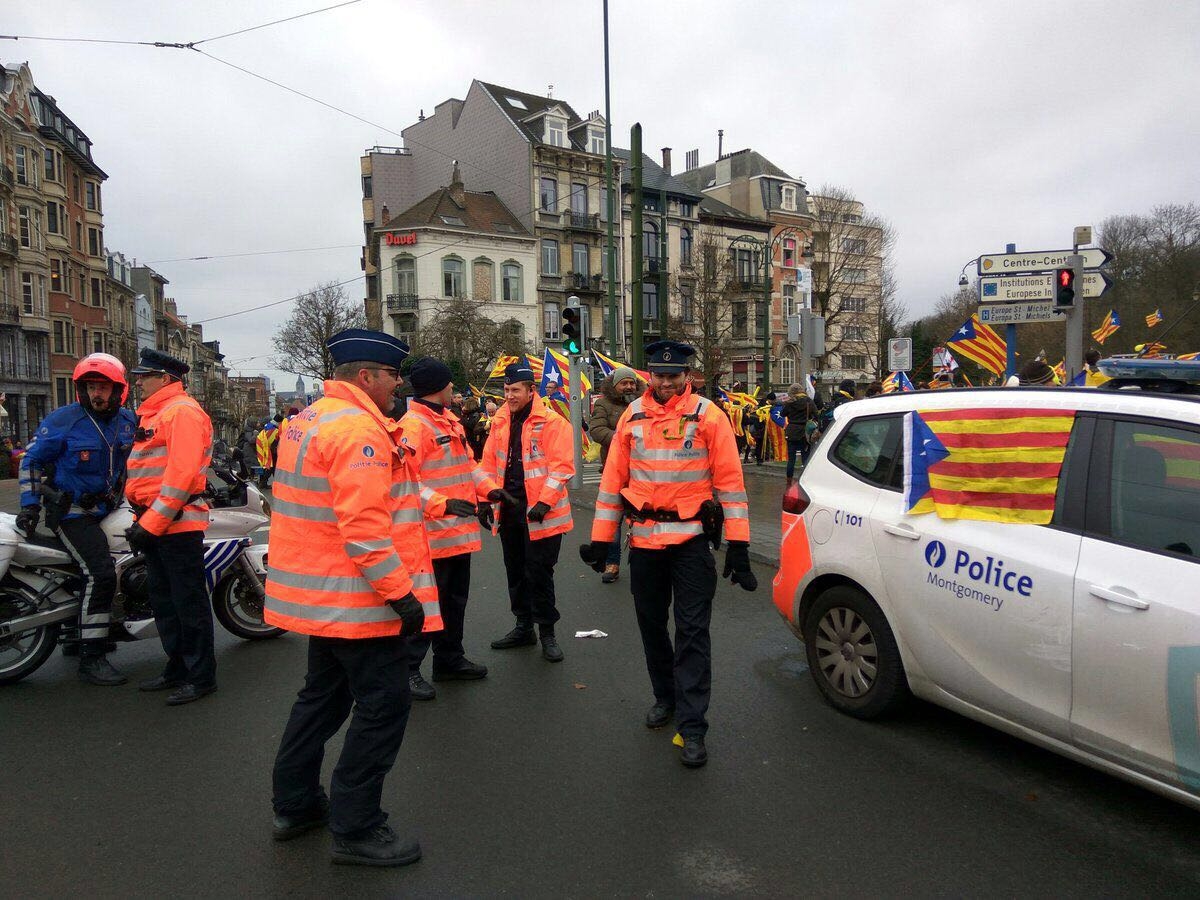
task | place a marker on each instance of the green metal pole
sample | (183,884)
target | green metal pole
(664,282)
(610,248)
(636,349)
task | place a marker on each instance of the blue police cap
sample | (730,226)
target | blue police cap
(151,361)
(668,357)
(363,345)
(517,372)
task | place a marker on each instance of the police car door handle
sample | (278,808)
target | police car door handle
(1117,597)
(904,531)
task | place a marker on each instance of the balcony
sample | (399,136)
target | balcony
(578,221)
(401,302)
(8,245)
(582,282)
(652,265)
(9,313)
(6,177)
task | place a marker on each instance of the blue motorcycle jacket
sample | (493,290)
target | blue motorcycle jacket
(86,454)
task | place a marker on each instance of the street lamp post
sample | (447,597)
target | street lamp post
(767,248)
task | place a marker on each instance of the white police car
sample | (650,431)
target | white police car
(1081,634)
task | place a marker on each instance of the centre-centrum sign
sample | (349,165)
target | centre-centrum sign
(1040,260)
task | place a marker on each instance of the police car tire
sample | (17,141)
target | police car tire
(45,641)
(889,689)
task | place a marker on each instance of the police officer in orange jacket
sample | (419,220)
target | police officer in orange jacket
(530,452)
(437,443)
(167,476)
(349,566)
(673,468)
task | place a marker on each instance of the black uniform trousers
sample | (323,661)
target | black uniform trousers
(453,577)
(530,568)
(372,675)
(681,674)
(182,612)
(87,543)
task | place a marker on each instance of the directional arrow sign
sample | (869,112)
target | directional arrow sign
(1039,261)
(1019,313)
(1022,288)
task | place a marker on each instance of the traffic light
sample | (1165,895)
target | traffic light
(1064,288)
(574,327)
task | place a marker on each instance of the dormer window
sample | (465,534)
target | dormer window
(556,132)
(789,197)
(596,140)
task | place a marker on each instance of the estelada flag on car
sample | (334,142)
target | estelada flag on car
(1000,464)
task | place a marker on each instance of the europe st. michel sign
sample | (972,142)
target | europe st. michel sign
(1040,261)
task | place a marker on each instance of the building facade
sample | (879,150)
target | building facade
(121,301)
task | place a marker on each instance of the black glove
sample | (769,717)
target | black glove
(538,511)
(460,508)
(27,519)
(502,496)
(411,613)
(139,538)
(737,564)
(486,516)
(595,554)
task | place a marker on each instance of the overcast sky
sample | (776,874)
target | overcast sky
(967,125)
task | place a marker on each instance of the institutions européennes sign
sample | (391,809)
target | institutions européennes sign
(1025,288)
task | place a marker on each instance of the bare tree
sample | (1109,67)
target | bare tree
(318,315)
(469,341)
(853,285)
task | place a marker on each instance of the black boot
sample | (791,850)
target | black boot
(551,652)
(693,755)
(521,636)
(380,847)
(96,669)
(419,688)
(659,714)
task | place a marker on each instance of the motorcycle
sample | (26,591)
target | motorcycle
(40,581)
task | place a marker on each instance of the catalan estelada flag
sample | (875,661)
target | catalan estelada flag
(1188,356)
(897,381)
(1151,350)
(980,343)
(1107,328)
(606,364)
(999,465)
(1154,318)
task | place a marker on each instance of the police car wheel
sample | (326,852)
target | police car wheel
(852,654)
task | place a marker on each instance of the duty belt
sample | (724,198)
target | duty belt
(139,508)
(710,515)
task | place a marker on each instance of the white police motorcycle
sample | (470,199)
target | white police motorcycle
(39,580)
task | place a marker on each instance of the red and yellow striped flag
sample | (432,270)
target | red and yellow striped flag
(980,343)
(1003,464)
(1109,327)
(1154,318)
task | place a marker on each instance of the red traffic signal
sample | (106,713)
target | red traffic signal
(1064,288)
(1066,278)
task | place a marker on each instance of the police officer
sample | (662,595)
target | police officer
(76,464)
(350,567)
(530,451)
(437,443)
(167,478)
(673,467)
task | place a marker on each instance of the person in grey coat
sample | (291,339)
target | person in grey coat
(617,391)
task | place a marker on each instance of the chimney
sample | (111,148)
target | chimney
(384,214)
(421,116)
(720,142)
(456,187)
(666,152)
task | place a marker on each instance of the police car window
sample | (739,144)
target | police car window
(869,449)
(1156,487)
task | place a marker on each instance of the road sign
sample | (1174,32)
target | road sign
(1019,313)
(900,354)
(1024,288)
(1039,261)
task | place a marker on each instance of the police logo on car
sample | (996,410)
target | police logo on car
(935,554)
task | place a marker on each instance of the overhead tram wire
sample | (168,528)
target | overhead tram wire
(276,22)
(155,262)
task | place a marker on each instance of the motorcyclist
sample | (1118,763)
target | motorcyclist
(75,469)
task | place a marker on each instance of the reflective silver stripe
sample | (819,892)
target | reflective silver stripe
(384,567)
(303,482)
(607,515)
(478,477)
(163,509)
(174,493)
(325,418)
(303,511)
(427,494)
(424,580)
(553,483)
(444,524)
(448,480)
(407,516)
(670,455)
(440,542)
(400,488)
(732,497)
(651,529)
(193,515)
(358,614)
(148,454)
(535,472)
(146,473)
(653,475)
(358,548)
(606,497)
(447,460)
(333,584)
(636,406)
(737,513)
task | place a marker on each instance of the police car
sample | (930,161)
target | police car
(1066,613)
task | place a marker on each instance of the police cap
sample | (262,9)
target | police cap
(363,345)
(151,362)
(668,357)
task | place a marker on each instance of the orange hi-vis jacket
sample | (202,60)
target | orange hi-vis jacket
(346,523)
(548,457)
(169,462)
(438,445)
(671,458)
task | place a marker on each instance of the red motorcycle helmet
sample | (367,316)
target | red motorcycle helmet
(101,366)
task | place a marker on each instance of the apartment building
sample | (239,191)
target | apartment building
(121,301)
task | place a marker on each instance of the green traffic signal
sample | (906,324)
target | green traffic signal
(570,331)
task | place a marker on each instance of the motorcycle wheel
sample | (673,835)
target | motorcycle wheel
(24,652)
(237,607)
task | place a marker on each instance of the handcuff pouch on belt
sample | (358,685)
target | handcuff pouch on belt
(710,516)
